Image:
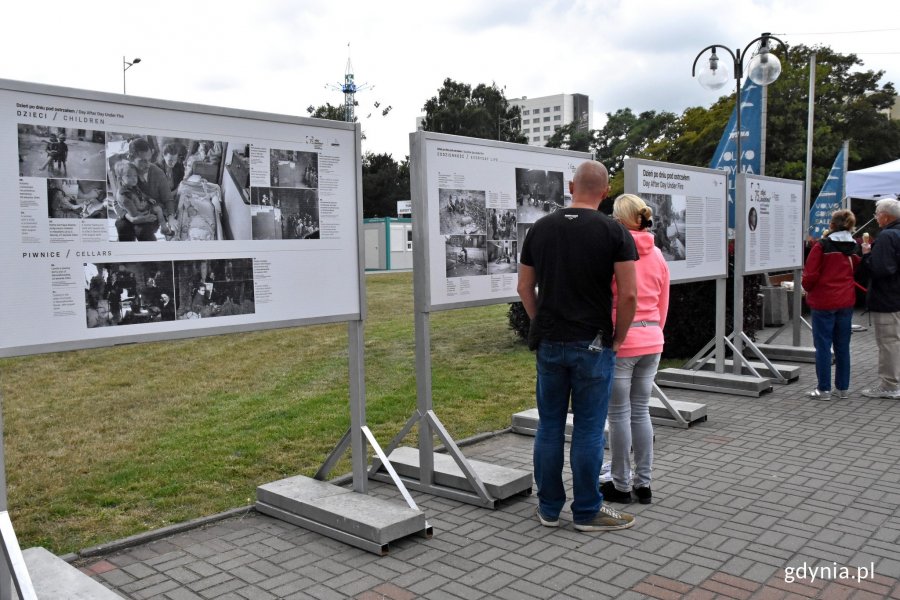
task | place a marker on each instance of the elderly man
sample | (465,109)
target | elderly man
(881,262)
(565,281)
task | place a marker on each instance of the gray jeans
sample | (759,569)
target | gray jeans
(629,420)
(887,338)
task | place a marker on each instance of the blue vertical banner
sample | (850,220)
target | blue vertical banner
(830,199)
(725,157)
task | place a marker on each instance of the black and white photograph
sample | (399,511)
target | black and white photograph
(128,293)
(752,219)
(76,199)
(466,255)
(462,212)
(294,169)
(502,257)
(61,152)
(538,193)
(165,188)
(285,214)
(214,288)
(501,223)
(669,224)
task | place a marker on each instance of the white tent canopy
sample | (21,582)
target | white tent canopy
(874,183)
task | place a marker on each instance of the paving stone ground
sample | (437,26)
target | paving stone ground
(775,497)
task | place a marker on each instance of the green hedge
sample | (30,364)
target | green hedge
(691,322)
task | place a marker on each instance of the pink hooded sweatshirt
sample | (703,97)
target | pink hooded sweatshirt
(652,299)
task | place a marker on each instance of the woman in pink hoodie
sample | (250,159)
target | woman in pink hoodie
(637,361)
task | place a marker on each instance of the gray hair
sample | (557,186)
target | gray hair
(888,206)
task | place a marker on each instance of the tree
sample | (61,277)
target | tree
(572,136)
(483,112)
(384,181)
(327,111)
(849,105)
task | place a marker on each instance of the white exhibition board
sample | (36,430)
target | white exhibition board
(770,215)
(476,200)
(267,220)
(690,212)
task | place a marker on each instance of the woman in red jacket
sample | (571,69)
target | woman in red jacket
(831,294)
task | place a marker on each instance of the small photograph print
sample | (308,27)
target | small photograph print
(502,257)
(76,199)
(501,223)
(538,193)
(668,224)
(466,255)
(214,288)
(285,214)
(294,169)
(131,293)
(462,212)
(61,152)
(752,219)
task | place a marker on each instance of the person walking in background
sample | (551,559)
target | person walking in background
(637,361)
(881,263)
(831,293)
(568,261)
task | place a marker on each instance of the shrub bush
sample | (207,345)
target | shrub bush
(691,322)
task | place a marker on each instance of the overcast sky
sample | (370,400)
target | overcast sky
(281,56)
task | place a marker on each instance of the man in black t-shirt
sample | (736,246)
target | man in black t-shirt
(568,260)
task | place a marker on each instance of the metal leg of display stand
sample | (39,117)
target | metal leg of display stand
(459,479)
(13,572)
(352,517)
(692,376)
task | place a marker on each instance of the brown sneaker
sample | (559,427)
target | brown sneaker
(607,519)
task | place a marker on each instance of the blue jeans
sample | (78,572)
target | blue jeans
(832,328)
(564,370)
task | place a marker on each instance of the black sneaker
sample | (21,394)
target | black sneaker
(611,494)
(643,494)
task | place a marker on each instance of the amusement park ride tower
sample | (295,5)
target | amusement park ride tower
(349,89)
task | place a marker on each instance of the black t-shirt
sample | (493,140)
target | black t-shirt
(573,252)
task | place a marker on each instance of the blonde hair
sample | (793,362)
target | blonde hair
(628,210)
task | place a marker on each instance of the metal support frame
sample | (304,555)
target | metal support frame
(430,425)
(13,572)
(676,416)
(359,433)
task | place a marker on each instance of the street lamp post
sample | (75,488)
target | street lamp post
(763,69)
(125,66)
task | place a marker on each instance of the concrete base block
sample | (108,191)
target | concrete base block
(803,354)
(710,381)
(55,579)
(526,423)
(365,521)
(789,372)
(692,412)
(500,482)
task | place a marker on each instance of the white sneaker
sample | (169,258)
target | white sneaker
(879,392)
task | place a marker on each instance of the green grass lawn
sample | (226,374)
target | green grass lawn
(105,443)
(101,444)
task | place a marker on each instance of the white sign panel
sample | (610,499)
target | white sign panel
(480,199)
(134,219)
(689,215)
(404,207)
(771,223)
